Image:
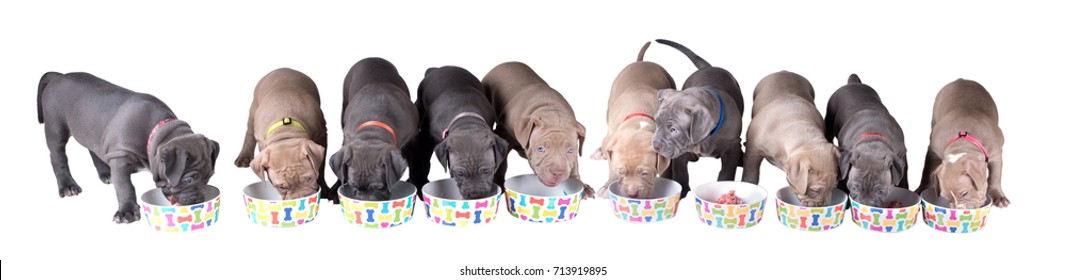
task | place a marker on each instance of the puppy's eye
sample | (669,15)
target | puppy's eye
(964,194)
(485,171)
(187,180)
(460,173)
(673,130)
(309,179)
(570,150)
(853,187)
(620,172)
(882,192)
(540,149)
(644,173)
(282,186)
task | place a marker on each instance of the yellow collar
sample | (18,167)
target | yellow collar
(285,121)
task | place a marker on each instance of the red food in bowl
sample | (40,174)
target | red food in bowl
(895,204)
(730,198)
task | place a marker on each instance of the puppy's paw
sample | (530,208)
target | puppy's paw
(71,190)
(588,192)
(242,161)
(603,193)
(127,213)
(1000,200)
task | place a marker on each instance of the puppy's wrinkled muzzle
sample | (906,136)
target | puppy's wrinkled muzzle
(478,191)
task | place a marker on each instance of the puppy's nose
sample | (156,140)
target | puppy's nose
(557,172)
(657,144)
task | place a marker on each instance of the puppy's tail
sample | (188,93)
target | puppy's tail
(640,56)
(854,79)
(696,59)
(40,91)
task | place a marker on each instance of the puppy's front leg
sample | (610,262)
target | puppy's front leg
(995,176)
(678,171)
(124,191)
(731,160)
(244,158)
(928,178)
(752,163)
(587,191)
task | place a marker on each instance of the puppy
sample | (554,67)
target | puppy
(285,121)
(457,122)
(125,132)
(379,124)
(537,122)
(873,157)
(787,130)
(964,163)
(634,164)
(702,120)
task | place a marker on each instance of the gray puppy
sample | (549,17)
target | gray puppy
(457,121)
(873,157)
(379,122)
(125,132)
(702,120)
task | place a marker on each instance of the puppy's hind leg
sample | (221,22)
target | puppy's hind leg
(102,169)
(419,152)
(244,158)
(928,178)
(752,163)
(56,137)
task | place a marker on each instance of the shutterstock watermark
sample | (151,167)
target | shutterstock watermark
(516,271)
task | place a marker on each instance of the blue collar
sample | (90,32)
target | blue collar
(721,112)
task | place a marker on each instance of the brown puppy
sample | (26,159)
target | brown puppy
(787,130)
(964,163)
(537,122)
(286,122)
(627,148)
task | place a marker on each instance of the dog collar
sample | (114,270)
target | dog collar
(381,125)
(283,122)
(151,134)
(868,134)
(965,135)
(456,118)
(633,115)
(721,112)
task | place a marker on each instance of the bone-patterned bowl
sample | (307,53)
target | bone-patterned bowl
(264,207)
(530,200)
(939,216)
(162,216)
(660,206)
(887,219)
(730,216)
(794,215)
(395,211)
(446,206)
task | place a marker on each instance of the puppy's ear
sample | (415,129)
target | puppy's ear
(846,160)
(661,163)
(500,147)
(395,165)
(314,153)
(797,172)
(260,162)
(663,93)
(171,165)
(701,124)
(525,130)
(213,146)
(604,152)
(897,167)
(442,153)
(978,172)
(580,137)
(339,163)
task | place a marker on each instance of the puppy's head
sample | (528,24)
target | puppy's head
(292,165)
(473,159)
(368,168)
(633,162)
(871,170)
(681,122)
(552,148)
(812,174)
(182,167)
(963,180)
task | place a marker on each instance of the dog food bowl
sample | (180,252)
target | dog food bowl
(884,219)
(939,216)
(661,206)
(446,206)
(530,200)
(730,216)
(793,214)
(381,214)
(162,216)
(264,206)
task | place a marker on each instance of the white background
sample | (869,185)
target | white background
(204,59)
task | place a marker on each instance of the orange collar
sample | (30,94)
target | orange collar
(381,125)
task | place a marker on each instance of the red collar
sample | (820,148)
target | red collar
(381,125)
(637,115)
(148,149)
(868,134)
(965,135)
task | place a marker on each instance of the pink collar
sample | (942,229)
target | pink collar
(868,134)
(456,118)
(152,134)
(637,115)
(964,135)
